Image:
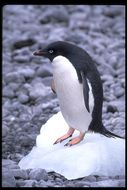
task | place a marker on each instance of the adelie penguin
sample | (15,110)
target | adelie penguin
(78,86)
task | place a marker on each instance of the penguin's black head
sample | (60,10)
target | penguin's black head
(55,49)
(76,55)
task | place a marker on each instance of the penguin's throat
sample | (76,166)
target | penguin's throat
(62,66)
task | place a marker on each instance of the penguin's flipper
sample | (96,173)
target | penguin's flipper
(85,91)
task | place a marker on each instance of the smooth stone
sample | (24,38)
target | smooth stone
(5,130)
(8,92)
(18,173)
(30,183)
(108,183)
(44,71)
(14,86)
(14,77)
(21,59)
(8,179)
(23,98)
(38,174)
(55,14)
(27,72)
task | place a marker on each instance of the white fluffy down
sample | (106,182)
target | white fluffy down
(95,155)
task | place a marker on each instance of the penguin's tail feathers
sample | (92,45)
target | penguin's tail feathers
(107,133)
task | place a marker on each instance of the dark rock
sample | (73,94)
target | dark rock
(38,174)
(119,105)
(8,179)
(111,108)
(26,141)
(23,43)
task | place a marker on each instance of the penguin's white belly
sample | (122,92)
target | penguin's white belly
(70,94)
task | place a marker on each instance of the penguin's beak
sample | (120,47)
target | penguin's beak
(39,53)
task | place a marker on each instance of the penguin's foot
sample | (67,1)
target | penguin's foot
(64,137)
(75,140)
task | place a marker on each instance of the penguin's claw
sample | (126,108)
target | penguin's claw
(64,137)
(74,141)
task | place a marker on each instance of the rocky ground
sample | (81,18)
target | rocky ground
(28,101)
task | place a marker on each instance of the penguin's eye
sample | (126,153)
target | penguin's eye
(51,51)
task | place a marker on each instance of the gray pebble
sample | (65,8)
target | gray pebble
(7,162)
(113,11)
(8,92)
(29,183)
(57,13)
(82,184)
(107,183)
(106,77)
(102,178)
(14,86)
(44,71)
(25,141)
(18,173)
(89,178)
(38,90)
(119,105)
(14,77)
(5,130)
(23,98)
(43,183)
(20,183)
(47,81)
(38,174)
(27,72)
(8,179)
(74,37)
(21,59)
(118,92)
(111,108)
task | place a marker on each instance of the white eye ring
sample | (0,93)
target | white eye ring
(51,51)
